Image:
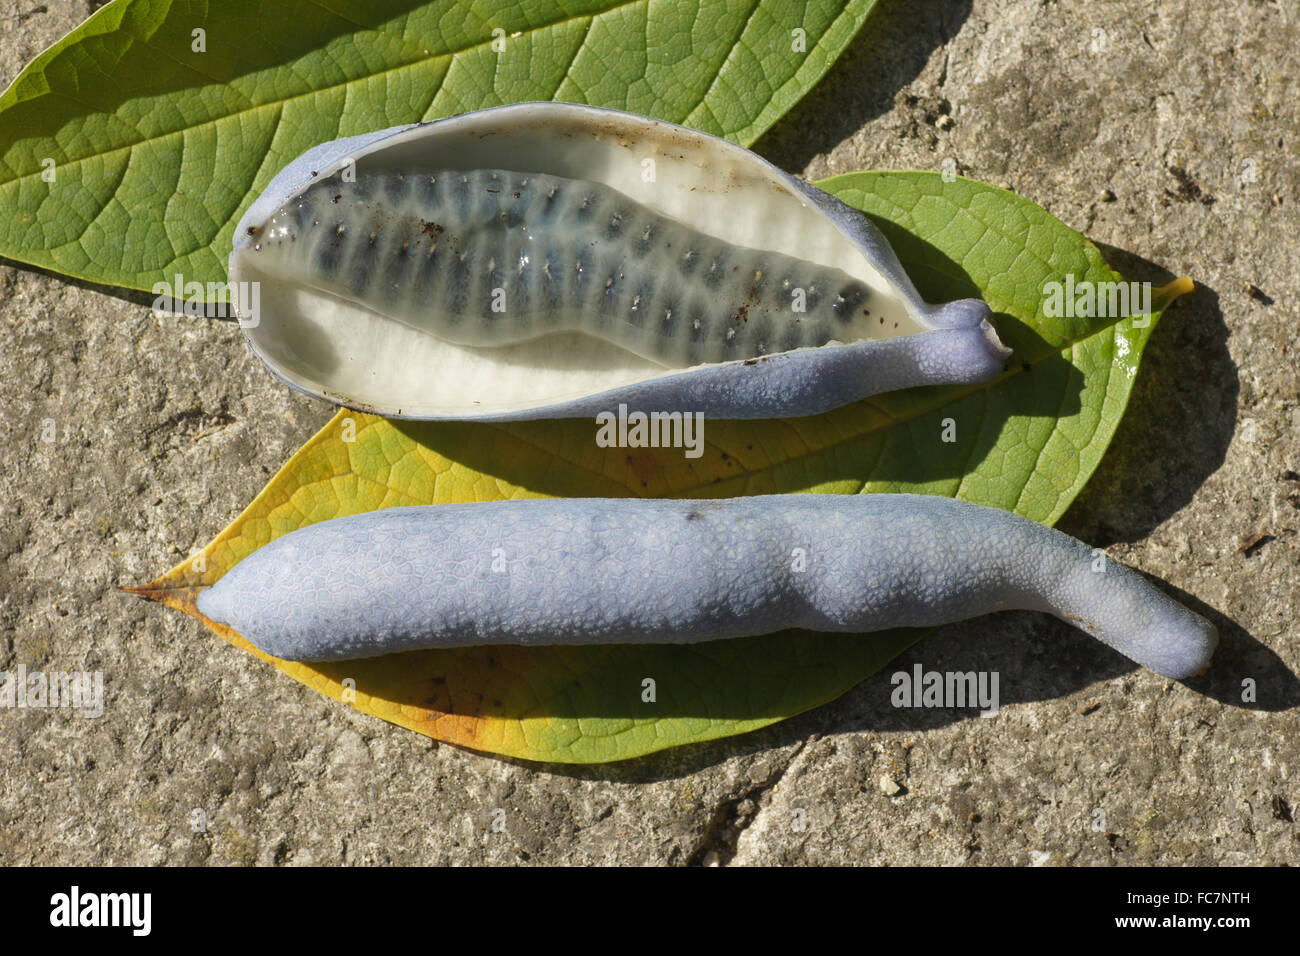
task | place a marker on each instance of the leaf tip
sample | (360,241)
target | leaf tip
(180,598)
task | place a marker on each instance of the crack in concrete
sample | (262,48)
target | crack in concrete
(717,846)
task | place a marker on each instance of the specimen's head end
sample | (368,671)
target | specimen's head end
(1182,648)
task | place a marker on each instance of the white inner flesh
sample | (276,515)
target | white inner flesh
(354,355)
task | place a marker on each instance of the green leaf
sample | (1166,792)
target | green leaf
(157,145)
(1027,443)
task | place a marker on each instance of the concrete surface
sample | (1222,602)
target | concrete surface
(1170,136)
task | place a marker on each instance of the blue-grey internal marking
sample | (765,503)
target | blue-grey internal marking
(429,250)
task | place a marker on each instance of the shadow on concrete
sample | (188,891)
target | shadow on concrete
(132,296)
(889,53)
(1180,419)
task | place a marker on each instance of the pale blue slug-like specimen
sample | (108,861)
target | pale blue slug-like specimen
(550,260)
(591,571)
